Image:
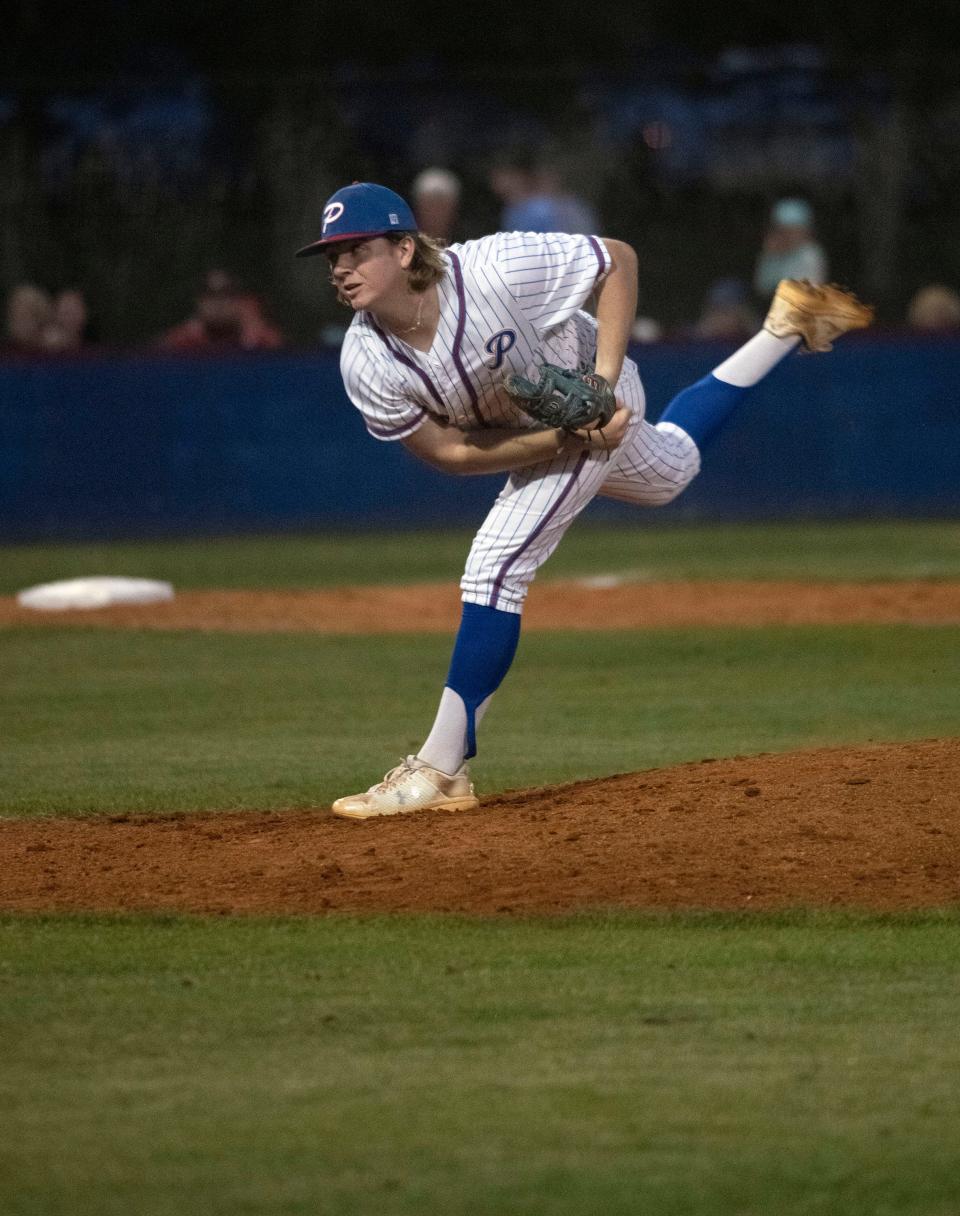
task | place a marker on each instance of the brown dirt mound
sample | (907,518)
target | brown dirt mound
(874,827)
(435,607)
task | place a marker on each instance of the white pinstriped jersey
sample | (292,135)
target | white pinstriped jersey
(508,302)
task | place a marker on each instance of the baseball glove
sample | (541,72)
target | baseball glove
(564,397)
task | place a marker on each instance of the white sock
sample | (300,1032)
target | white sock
(446,745)
(748,365)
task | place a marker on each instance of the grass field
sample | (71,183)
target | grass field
(919,549)
(617,1065)
(703,1064)
(145,721)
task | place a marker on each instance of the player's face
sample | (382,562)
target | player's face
(367,273)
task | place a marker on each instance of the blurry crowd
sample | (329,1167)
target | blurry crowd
(227,316)
(40,323)
(733,307)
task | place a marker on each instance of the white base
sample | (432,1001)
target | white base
(95,592)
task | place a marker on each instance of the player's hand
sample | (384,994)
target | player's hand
(604,438)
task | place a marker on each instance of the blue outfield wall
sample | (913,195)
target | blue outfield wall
(157,445)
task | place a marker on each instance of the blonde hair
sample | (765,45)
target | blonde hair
(428,265)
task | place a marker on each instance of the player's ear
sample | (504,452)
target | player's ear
(407,249)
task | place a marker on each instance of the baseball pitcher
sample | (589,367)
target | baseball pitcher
(480,358)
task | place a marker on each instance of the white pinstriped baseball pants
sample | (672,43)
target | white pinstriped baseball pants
(651,467)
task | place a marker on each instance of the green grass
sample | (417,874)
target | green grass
(684,1066)
(648,550)
(95,721)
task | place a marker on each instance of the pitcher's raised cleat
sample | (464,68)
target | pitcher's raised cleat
(819,315)
(411,786)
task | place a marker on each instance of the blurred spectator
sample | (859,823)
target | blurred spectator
(533,200)
(435,198)
(789,249)
(69,328)
(646,330)
(727,313)
(935,308)
(226,318)
(29,316)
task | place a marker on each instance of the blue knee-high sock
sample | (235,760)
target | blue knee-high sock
(484,649)
(703,408)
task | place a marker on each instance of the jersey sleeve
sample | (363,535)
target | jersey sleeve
(388,412)
(551,274)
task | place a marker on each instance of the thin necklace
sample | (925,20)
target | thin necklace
(416,325)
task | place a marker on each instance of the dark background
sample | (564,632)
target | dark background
(142,143)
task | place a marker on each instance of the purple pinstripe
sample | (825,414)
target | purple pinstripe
(595,246)
(408,362)
(458,339)
(505,568)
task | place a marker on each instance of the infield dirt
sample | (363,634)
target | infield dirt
(874,827)
(590,604)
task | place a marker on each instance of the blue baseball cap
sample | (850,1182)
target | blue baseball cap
(361,210)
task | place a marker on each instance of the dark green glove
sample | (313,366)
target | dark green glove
(564,398)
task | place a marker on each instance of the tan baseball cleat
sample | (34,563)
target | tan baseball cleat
(411,786)
(818,314)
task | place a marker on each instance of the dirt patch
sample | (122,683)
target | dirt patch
(435,607)
(873,827)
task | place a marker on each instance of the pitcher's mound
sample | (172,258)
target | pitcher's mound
(874,827)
